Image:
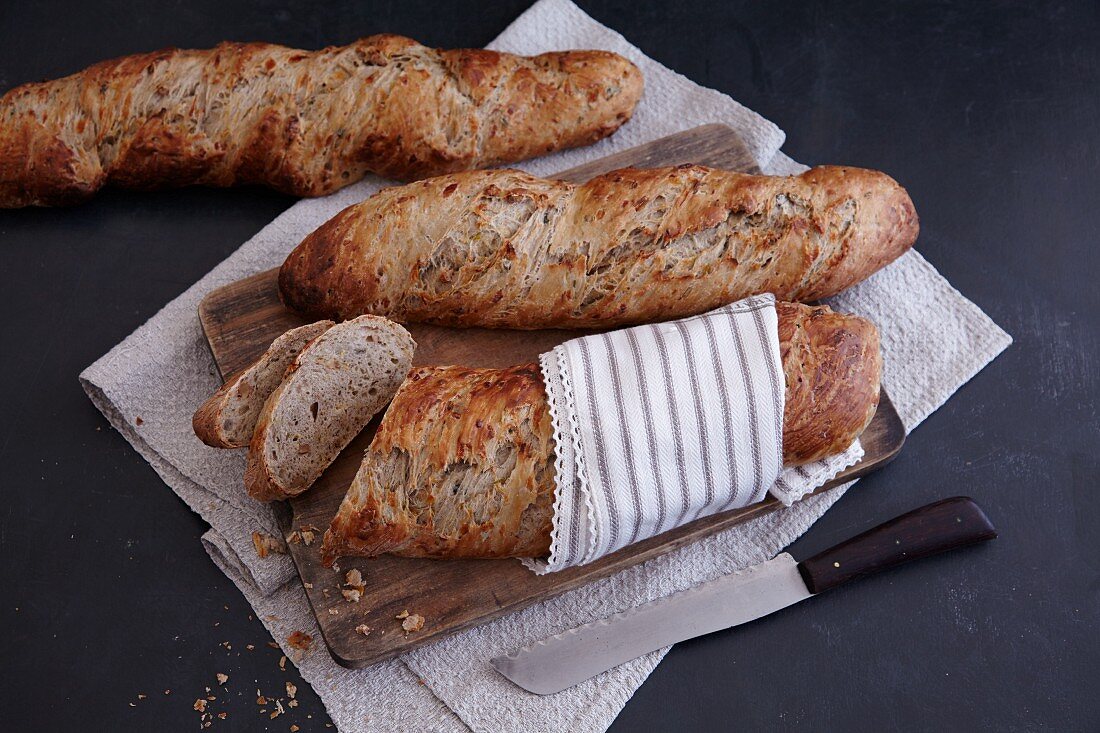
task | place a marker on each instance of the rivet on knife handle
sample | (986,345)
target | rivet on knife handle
(929,530)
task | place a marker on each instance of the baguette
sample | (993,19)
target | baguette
(228,418)
(462,463)
(304,123)
(335,385)
(505,249)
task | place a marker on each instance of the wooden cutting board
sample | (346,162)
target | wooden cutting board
(240,321)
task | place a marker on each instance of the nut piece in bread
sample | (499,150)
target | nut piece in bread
(228,418)
(505,249)
(303,122)
(462,463)
(338,382)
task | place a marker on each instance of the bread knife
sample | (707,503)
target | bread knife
(566,659)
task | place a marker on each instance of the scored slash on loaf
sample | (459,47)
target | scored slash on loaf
(303,122)
(506,249)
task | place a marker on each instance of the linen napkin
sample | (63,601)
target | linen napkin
(933,340)
(661,424)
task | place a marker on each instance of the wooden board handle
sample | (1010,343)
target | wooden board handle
(929,530)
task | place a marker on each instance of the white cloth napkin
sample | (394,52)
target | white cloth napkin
(933,341)
(658,425)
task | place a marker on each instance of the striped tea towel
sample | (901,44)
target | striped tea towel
(658,425)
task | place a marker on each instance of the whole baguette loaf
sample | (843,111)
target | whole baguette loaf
(228,418)
(333,388)
(463,466)
(305,123)
(505,249)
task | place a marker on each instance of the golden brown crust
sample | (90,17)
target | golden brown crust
(479,443)
(832,368)
(305,123)
(505,249)
(206,422)
(460,456)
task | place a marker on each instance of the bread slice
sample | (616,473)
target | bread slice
(228,418)
(332,390)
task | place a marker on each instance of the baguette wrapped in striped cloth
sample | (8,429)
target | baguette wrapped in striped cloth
(462,464)
(303,122)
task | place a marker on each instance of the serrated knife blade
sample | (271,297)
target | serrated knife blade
(561,661)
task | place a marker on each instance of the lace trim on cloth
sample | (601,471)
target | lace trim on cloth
(798,481)
(570,477)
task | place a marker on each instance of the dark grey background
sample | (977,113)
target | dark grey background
(987,112)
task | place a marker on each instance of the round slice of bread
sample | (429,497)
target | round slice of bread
(338,382)
(228,418)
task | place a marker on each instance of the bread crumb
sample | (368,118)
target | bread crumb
(249,647)
(200,705)
(139,421)
(222,716)
(309,586)
(140,696)
(260,699)
(414,622)
(277,711)
(222,678)
(363,629)
(282,662)
(354,578)
(300,640)
(294,538)
(352,595)
(294,728)
(334,612)
(307,537)
(292,703)
(403,614)
(267,545)
(291,689)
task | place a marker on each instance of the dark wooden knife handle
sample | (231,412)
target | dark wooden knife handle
(929,530)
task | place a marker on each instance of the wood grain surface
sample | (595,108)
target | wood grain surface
(241,319)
